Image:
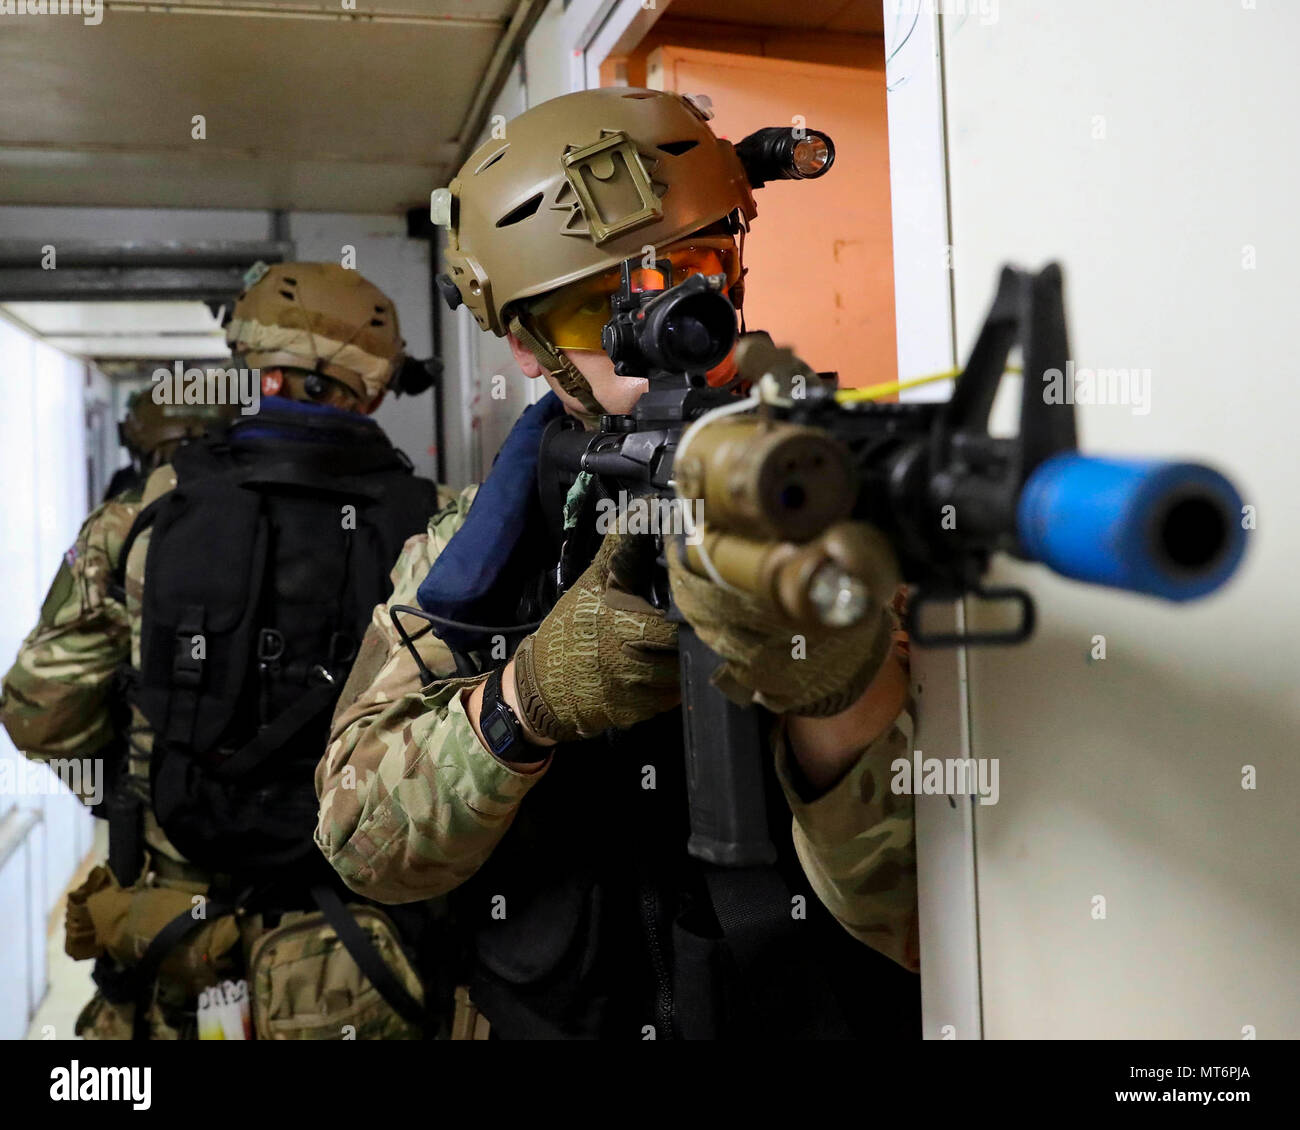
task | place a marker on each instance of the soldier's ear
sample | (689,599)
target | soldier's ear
(528,364)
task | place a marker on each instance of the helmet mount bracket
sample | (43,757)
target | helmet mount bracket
(600,161)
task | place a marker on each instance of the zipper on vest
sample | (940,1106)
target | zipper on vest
(658,960)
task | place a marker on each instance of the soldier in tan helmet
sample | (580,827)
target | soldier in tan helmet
(321,334)
(151,432)
(536,772)
(210,624)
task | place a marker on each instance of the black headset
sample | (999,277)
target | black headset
(414,377)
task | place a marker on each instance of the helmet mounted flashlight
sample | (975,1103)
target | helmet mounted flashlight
(785,153)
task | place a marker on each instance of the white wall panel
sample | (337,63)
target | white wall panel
(1149,148)
(399,266)
(43,463)
(950,981)
(15,946)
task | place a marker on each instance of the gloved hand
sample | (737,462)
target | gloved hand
(602,657)
(786,668)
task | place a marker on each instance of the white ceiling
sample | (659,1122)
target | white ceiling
(307,106)
(106,330)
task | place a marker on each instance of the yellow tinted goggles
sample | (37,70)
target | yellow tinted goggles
(573,316)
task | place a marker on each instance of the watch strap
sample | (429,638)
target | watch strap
(495,714)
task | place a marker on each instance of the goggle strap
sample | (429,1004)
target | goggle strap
(565,372)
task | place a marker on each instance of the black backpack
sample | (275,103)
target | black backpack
(264,566)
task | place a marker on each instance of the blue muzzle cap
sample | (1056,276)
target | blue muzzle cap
(1172,530)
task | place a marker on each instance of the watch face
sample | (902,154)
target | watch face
(497,730)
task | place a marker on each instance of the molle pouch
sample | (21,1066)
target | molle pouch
(305,984)
(101,1019)
(197,621)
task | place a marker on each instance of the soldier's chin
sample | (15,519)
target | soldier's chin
(616,395)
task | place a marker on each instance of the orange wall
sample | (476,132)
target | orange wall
(840,49)
(820,254)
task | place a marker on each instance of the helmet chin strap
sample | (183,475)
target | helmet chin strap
(564,371)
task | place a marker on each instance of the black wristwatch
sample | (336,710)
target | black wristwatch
(500,727)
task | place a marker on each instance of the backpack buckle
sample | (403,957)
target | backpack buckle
(270,647)
(342,649)
(187,659)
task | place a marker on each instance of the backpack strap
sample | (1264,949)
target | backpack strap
(142,975)
(187,677)
(143,520)
(278,733)
(369,960)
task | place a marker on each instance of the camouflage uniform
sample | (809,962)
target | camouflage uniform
(56,702)
(56,696)
(412,804)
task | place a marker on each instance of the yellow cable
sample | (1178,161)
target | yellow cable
(876,392)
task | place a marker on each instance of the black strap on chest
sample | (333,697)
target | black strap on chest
(144,974)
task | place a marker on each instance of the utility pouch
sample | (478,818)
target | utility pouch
(116,925)
(305,985)
(122,921)
(102,1019)
(79,940)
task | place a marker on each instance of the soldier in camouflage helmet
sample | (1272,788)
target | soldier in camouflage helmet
(548,795)
(151,432)
(328,347)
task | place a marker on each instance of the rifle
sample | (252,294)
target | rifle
(792,480)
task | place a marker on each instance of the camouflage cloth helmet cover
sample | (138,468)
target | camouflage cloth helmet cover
(320,317)
(578,184)
(149,426)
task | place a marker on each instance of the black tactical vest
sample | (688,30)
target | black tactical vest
(590,920)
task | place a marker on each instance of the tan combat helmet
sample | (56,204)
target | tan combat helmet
(151,432)
(577,185)
(321,318)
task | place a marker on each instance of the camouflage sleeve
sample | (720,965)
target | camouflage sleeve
(411,804)
(857,846)
(54,699)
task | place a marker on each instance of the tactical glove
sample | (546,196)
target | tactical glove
(787,668)
(602,657)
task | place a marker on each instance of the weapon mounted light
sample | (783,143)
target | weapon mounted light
(837,596)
